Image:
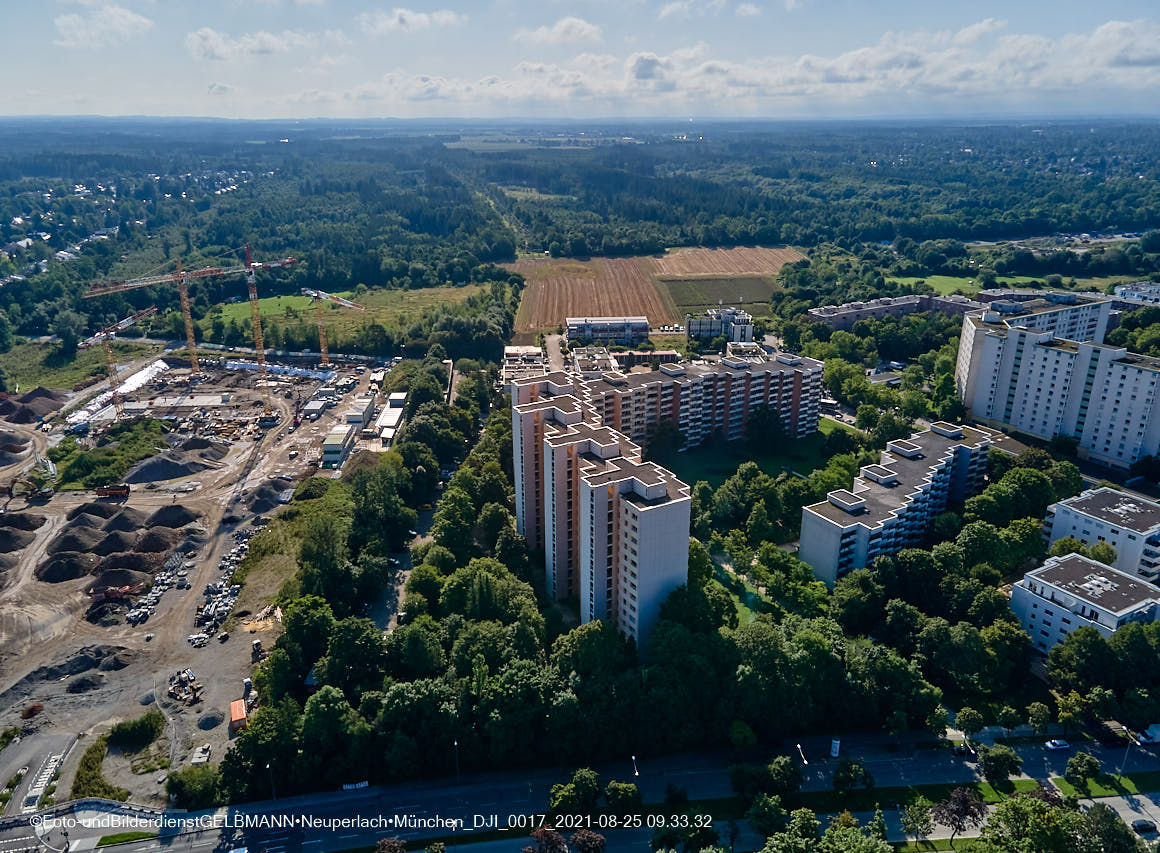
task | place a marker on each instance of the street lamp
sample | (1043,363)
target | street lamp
(802,754)
(1131,740)
(273,790)
(635,772)
(455,743)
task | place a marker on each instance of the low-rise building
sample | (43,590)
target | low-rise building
(1145,291)
(591,362)
(337,445)
(891,505)
(522,361)
(1068,592)
(731,323)
(844,316)
(1127,522)
(397,400)
(607,330)
(360,412)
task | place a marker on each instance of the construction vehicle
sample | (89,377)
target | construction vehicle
(81,428)
(104,338)
(181,278)
(119,490)
(317,296)
(30,489)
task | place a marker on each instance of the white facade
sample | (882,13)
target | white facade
(1145,291)
(1068,592)
(614,529)
(614,330)
(1034,381)
(891,504)
(1127,522)
(733,323)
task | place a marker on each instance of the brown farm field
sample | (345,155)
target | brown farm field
(600,287)
(661,287)
(740,260)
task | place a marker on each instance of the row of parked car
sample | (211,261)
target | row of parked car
(220,596)
(174,573)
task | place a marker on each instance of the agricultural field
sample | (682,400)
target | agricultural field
(600,287)
(738,261)
(693,295)
(385,306)
(662,288)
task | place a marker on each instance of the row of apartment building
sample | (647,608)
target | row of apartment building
(1039,367)
(844,316)
(892,503)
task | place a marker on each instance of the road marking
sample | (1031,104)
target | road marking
(345,837)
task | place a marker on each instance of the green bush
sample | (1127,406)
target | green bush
(89,781)
(195,788)
(135,735)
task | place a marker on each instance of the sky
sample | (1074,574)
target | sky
(582,58)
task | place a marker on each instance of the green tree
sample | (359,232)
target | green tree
(1102,552)
(999,763)
(622,797)
(916,818)
(785,777)
(195,788)
(758,528)
(851,773)
(960,811)
(355,657)
(68,326)
(1039,717)
(969,721)
(1081,768)
(1009,718)
(766,815)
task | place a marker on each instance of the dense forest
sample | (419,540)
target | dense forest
(398,205)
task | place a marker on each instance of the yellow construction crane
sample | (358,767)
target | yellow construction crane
(318,296)
(104,338)
(181,278)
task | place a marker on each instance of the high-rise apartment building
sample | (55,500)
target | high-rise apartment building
(891,505)
(614,529)
(1041,369)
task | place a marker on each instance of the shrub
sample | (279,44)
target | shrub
(135,735)
(89,781)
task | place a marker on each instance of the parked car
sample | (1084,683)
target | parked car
(1055,745)
(1143,827)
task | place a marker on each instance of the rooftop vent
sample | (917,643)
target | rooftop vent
(847,501)
(903,447)
(880,474)
(947,430)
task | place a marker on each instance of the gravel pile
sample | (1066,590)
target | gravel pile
(75,538)
(14,540)
(22,520)
(210,720)
(265,497)
(165,466)
(127,519)
(93,508)
(173,515)
(158,540)
(67,566)
(117,542)
(31,407)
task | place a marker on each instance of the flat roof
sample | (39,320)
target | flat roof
(1095,583)
(882,500)
(571,320)
(1115,507)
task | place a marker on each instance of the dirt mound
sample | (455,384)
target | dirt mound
(134,562)
(174,515)
(42,393)
(85,683)
(94,508)
(265,497)
(12,438)
(17,414)
(31,407)
(7,457)
(75,538)
(117,542)
(127,519)
(158,540)
(14,540)
(120,577)
(210,720)
(66,566)
(197,443)
(165,466)
(22,520)
(147,698)
(116,661)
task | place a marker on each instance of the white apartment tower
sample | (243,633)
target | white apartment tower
(891,505)
(614,529)
(1041,369)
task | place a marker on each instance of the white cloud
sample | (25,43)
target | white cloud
(379,23)
(104,26)
(689,8)
(747,10)
(570,29)
(980,69)
(209,44)
(221,89)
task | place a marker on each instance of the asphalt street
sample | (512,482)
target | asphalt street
(342,820)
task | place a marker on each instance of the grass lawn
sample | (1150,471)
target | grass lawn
(938,844)
(124,838)
(867,799)
(31,364)
(384,306)
(717,461)
(1113,784)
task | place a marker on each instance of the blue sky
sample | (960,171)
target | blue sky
(581,58)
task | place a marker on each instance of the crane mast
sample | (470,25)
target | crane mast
(318,296)
(104,338)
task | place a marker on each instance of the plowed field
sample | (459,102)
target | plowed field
(741,260)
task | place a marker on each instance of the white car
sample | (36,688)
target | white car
(1055,745)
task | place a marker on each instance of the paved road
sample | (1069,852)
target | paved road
(552,346)
(432,808)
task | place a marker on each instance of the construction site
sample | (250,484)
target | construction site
(117,592)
